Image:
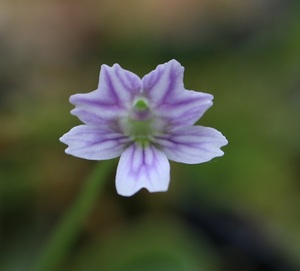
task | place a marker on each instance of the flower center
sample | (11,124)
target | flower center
(141,105)
(140,124)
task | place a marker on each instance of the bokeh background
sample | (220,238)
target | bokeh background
(237,212)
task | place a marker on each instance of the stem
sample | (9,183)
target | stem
(68,228)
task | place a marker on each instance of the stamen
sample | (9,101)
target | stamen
(140,110)
(141,105)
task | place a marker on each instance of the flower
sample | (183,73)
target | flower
(145,121)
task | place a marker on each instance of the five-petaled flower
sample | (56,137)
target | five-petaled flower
(145,121)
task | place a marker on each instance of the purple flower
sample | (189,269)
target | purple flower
(145,121)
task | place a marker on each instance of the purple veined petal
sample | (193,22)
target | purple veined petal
(116,90)
(142,167)
(164,82)
(171,102)
(94,143)
(91,108)
(121,85)
(192,145)
(185,110)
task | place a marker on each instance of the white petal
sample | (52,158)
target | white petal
(142,167)
(192,145)
(94,143)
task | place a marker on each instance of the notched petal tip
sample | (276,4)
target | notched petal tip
(164,87)
(192,145)
(132,192)
(116,90)
(94,143)
(62,139)
(164,83)
(105,67)
(120,84)
(175,64)
(74,98)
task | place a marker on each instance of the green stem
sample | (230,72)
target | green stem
(67,230)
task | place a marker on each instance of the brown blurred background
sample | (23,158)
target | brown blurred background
(237,212)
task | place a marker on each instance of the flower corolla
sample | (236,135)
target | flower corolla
(147,121)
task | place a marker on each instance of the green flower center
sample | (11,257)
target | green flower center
(140,123)
(139,128)
(141,105)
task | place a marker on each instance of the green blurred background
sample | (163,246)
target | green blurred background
(237,212)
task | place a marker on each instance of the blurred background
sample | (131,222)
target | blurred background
(237,212)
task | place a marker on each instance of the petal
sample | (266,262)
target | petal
(92,108)
(142,167)
(185,109)
(192,145)
(94,143)
(164,82)
(119,84)
(170,100)
(116,91)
